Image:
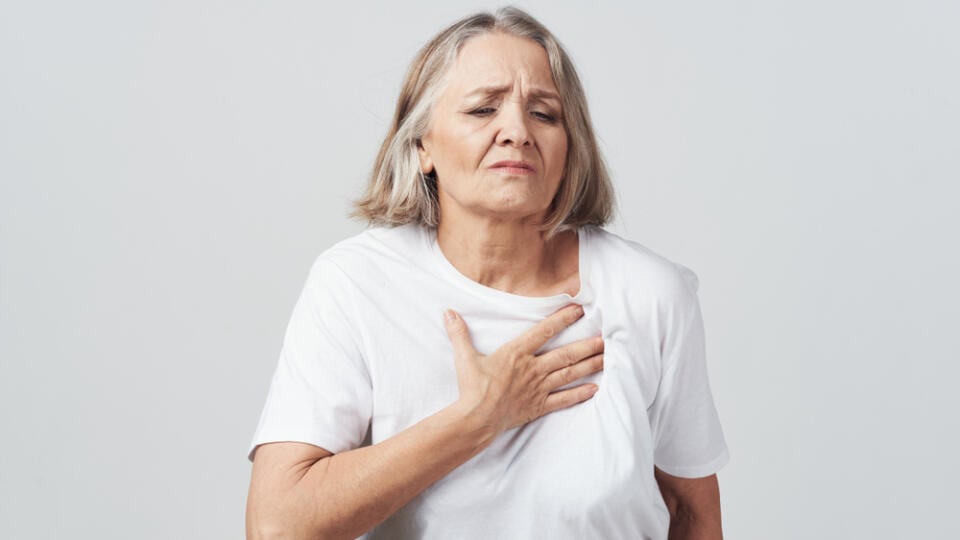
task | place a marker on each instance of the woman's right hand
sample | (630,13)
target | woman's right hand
(513,386)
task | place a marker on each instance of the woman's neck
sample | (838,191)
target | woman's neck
(511,256)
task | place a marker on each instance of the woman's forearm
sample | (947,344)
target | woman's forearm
(347,494)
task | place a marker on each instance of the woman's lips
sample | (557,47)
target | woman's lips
(513,167)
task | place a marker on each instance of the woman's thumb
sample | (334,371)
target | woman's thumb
(458,333)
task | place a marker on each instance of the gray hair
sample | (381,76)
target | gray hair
(398,192)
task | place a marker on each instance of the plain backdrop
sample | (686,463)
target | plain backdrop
(169,171)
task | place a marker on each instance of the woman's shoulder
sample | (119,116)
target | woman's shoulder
(616,257)
(375,249)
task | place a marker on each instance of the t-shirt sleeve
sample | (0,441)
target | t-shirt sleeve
(688,438)
(320,392)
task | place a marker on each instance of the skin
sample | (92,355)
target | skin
(694,505)
(501,104)
(487,231)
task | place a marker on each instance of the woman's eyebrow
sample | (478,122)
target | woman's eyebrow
(492,90)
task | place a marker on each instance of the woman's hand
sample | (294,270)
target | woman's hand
(513,386)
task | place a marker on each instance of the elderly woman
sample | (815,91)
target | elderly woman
(520,372)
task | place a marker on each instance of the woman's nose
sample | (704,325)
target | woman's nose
(513,126)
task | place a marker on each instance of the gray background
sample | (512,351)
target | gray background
(170,170)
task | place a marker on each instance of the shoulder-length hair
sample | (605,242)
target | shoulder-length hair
(398,192)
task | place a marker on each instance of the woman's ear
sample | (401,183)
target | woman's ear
(426,163)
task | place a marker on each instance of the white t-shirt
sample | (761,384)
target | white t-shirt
(366,347)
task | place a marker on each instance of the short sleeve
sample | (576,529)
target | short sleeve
(688,438)
(320,392)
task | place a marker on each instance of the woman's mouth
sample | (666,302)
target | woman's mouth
(513,167)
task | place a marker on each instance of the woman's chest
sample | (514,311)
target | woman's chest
(591,461)
(413,372)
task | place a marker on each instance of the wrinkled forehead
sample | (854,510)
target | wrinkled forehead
(493,60)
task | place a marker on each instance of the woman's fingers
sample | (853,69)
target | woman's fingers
(567,375)
(513,385)
(570,354)
(571,396)
(534,338)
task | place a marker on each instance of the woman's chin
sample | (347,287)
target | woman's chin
(512,210)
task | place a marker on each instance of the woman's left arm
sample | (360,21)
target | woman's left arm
(694,505)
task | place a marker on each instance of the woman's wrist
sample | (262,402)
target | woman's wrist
(475,422)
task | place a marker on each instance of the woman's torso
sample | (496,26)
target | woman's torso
(581,472)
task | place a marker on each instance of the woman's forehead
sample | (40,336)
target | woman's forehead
(493,61)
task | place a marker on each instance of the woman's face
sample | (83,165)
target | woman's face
(496,139)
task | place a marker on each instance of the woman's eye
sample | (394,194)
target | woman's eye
(482,111)
(546,117)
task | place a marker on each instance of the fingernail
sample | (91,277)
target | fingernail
(449,316)
(579,311)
